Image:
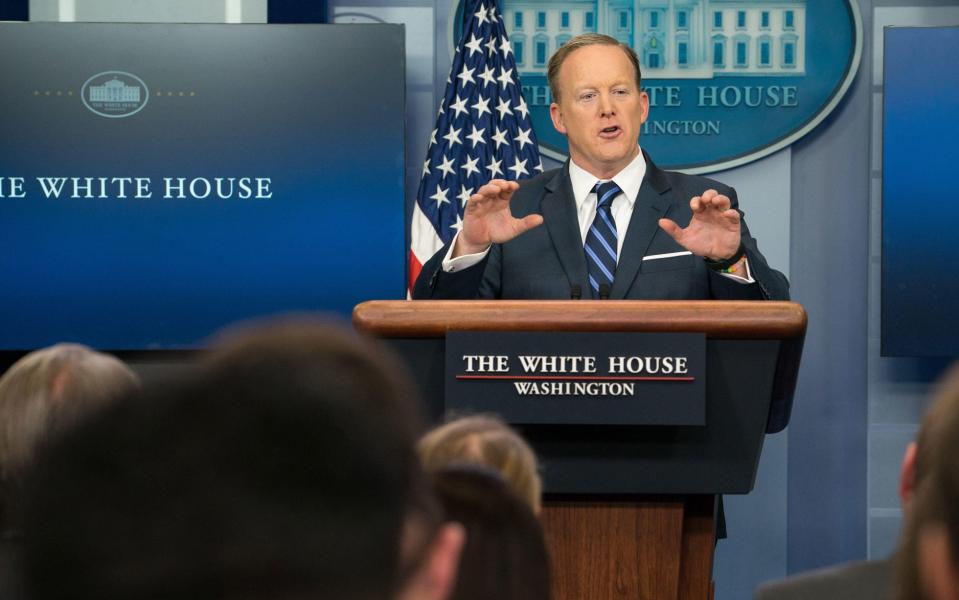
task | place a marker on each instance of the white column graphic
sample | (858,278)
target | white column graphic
(68,10)
(234,11)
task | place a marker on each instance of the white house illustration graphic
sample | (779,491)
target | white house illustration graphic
(674,39)
(114,91)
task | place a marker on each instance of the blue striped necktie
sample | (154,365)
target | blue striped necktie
(601,240)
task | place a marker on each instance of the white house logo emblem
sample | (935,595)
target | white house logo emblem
(729,81)
(115,94)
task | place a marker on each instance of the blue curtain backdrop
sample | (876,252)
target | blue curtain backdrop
(295,11)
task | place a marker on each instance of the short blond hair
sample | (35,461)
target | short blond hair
(581,41)
(48,391)
(485,440)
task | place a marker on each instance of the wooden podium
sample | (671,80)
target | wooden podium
(629,511)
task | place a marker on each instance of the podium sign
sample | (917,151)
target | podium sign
(567,378)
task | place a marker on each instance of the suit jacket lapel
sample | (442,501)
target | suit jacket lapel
(559,214)
(652,204)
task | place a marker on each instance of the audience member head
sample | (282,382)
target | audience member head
(505,555)
(282,466)
(45,393)
(920,454)
(928,559)
(485,440)
(430,546)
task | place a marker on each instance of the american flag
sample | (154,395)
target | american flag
(483,131)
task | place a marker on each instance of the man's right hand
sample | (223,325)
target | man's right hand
(487,219)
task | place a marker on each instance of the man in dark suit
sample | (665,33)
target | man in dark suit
(653,235)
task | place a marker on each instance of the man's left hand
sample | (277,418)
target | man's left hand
(714,230)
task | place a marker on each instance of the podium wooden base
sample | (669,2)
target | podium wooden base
(651,548)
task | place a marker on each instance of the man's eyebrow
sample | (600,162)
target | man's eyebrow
(615,83)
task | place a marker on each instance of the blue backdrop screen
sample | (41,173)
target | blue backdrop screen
(920,274)
(160,181)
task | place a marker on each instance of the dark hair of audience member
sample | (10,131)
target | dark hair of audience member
(935,509)
(281,467)
(505,556)
(944,533)
(485,440)
(424,517)
(45,393)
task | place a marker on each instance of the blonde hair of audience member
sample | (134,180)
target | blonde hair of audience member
(928,558)
(48,391)
(485,440)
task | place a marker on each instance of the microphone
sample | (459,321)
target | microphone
(575,292)
(604,291)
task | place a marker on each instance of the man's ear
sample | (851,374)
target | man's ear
(435,578)
(643,106)
(556,114)
(907,475)
(444,558)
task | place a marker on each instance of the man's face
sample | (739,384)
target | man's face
(600,109)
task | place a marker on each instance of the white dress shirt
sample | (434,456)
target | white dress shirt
(629,180)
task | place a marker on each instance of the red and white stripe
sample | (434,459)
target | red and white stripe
(424,243)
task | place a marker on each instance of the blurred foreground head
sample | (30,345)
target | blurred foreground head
(48,391)
(282,466)
(505,556)
(485,440)
(928,558)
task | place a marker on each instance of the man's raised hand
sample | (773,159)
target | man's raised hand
(714,230)
(487,218)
